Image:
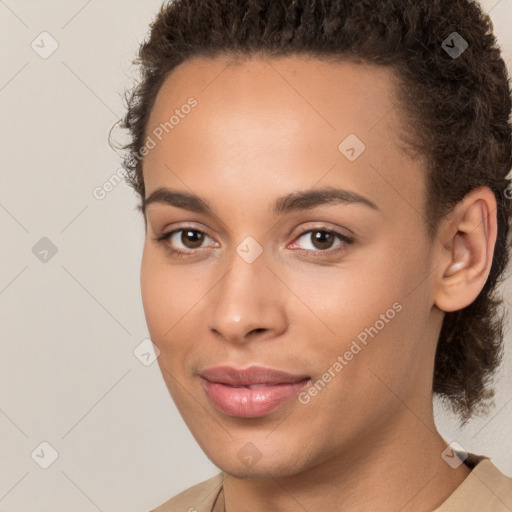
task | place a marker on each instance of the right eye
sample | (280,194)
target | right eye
(190,238)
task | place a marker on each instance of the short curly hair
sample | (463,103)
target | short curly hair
(456,109)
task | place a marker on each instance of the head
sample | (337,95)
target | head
(383,294)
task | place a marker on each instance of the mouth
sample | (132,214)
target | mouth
(250,392)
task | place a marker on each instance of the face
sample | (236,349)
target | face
(331,289)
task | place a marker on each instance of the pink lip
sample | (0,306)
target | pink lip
(227,389)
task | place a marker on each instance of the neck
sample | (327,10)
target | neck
(401,469)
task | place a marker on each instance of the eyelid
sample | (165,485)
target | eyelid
(323,227)
(192,226)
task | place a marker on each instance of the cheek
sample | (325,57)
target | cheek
(152,289)
(162,297)
(343,300)
(366,301)
(169,296)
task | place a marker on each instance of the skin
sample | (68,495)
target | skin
(262,129)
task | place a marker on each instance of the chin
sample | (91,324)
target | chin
(262,468)
(257,472)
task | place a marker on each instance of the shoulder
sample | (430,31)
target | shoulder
(486,489)
(198,498)
(495,481)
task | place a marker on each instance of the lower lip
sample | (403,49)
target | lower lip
(250,403)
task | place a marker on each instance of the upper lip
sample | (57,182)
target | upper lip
(249,376)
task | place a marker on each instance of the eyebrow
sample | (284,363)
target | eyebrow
(295,201)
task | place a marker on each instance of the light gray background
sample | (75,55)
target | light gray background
(68,375)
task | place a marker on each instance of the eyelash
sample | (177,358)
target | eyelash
(314,253)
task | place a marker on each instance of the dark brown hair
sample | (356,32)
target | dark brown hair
(456,110)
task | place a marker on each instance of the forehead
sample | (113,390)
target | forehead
(295,88)
(286,122)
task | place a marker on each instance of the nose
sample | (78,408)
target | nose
(248,302)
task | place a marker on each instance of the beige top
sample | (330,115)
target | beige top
(485,489)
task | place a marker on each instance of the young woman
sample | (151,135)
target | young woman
(324,190)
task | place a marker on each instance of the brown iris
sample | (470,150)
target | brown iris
(322,239)
(195,238)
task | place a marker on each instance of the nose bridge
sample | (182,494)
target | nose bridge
(245,299)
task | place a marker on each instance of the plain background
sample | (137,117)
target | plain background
(69,326)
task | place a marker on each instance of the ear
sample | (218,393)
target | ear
(466,239)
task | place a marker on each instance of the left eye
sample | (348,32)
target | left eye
(322,239)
